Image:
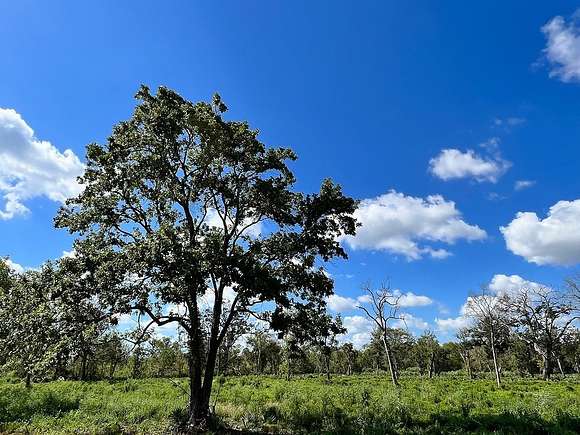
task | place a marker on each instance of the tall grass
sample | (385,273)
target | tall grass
(364,404)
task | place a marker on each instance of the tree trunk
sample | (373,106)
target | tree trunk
(547,369)
(209,375)
(495,363)
(327,366)
(391,362)
(84,366)
(560,366)
(198,414)
(112,369)
(468,364)
(431,365)
(289,372)
(28,381)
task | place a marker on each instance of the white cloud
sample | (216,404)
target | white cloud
(553,240)
(339,303)
(411,322)
(31,168)
(451,324)
(69,254)
(410,299)
(523,184)
(452,163)
(511,284)
(364,299)
(359,330)
(14,266)
(500,284)
(169,330)
(397,223)
(563,48)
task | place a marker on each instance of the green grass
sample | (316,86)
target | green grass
(364,404)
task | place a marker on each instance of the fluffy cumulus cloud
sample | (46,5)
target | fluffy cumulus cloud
(339,303)
(452,164)
(451,324)
(359,330)
(499,284)
(14,266)
(563,48)
(31,168)
(511,284)
(409,321)
(554,240)
(406,225)
(410,299)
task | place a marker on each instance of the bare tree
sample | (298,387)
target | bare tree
(465,349)
(545,315)
(384,308)
(492,322)
(573,285)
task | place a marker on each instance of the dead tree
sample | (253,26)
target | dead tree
(492,322)
(465,343)
(384,308)
(545,316)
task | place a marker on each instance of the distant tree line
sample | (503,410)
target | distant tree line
(44,336)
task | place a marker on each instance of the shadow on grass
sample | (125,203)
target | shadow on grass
(20,404)
(444,423)
(504,423)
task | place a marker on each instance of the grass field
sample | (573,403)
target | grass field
(364,404)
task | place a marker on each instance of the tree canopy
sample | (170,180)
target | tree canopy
(180,203)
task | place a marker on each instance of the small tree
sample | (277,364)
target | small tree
(384,308)
(292,351)
(350,354)
(324,337)
(427,350)
(492,322)
(465,342)
(545,316)
(111,352)
(44,318)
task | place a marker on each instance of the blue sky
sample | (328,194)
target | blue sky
(444,105)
